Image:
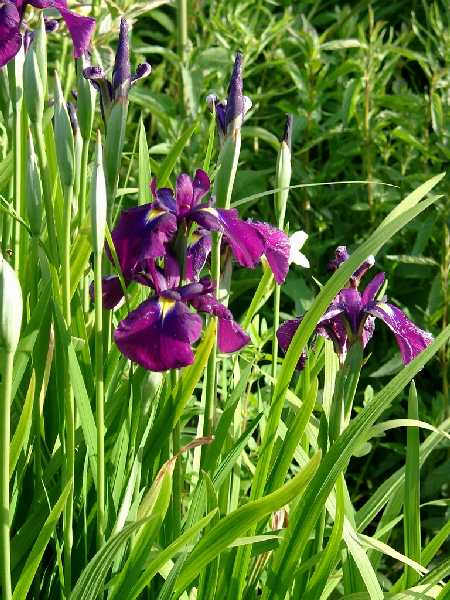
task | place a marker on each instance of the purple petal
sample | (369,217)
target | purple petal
(121,75)
(141,234)
(276,249)
(221,108)
(163,197)
(372,289)
(80,28)
(230,336)
(112,292)
(285,333)
(10,38)
(334,329)
(143,70)
(368,330)
(201,185)
(184,194)
(340,256)
(196,255)
(158,334)
(171,271)
(410,338)
(362,270)
(350,300)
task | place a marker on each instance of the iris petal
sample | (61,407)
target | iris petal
(285,334)
(158,334)
(10,38)
(276,249)
(184,194)
(410,339)
(372,289)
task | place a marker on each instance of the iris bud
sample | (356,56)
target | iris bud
(10,307)
(33,87)
(33,191)
(86,101)
(98,201)
(63,138)
(284,172)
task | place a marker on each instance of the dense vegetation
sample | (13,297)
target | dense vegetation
(237,476)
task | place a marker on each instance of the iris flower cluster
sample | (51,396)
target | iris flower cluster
(164,245)
(351,316)
(11,19)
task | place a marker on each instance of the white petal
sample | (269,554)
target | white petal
(300,260)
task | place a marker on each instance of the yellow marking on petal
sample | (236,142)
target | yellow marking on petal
(386,308)
(154,213)
(165,305)
(210,210)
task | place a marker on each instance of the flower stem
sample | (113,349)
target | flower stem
(82,210)
(100,401)
(69,408)
(17,160)
(5,397)
(47,189)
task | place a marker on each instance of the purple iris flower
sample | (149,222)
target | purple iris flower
(143,233)
(350,318)
(11,16)
(230,112)
(118,88)
(158,335)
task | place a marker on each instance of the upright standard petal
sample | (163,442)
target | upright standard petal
(201,186)
(197,253)
(80,28)
(372,289)
(410,339)
(184,194)
(158,334)
(276,249)
(10,38)
(112,292)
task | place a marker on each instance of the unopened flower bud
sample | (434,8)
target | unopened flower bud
(33,89)
(33,191)
(63,138)
(284,172)
(98,201)
(10,307)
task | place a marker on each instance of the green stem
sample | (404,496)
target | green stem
(210,402)
(17,162)
(177,483)
(69,416)
(47,188)
(100,401)
(82,211)
(5,551)
(182,10)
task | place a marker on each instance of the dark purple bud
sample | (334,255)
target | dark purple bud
(51,25)
(142,71)
(341,255)
(235,100)
(97,77)
(287,135)
(121,76)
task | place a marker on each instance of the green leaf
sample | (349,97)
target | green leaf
(170,161)
(145,172)
(34,558)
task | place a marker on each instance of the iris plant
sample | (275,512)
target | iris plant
(118,88)
(11,18)
(350,318)
(147,239)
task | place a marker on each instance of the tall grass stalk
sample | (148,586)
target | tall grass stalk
(6,359)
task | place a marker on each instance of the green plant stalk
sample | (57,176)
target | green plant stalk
(211,382)
(182,22)
(100,401)
(69,408)
(47,189)
(17,164)
(177,484)
(82,210)
(412,490)
(5,398)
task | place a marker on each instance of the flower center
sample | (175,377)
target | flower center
(165,306)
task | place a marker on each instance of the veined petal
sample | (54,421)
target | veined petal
(158,334)
(201,185)
(184,194)
(141,234)
(285,333)
(334,329)
(10,38)
(350,300)
(276,249)
(372,289)
(163,197)
(410,339)
(196,255)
